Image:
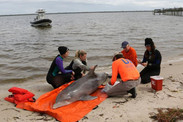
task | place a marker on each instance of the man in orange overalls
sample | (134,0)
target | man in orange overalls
(130,77)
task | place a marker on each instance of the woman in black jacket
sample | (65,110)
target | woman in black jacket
(151,62)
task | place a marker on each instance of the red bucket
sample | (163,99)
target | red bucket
(156,82)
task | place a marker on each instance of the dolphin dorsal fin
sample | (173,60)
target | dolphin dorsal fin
(92,71)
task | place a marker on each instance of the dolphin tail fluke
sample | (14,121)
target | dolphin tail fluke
(88,97)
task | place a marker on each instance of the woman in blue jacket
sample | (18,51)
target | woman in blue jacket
(57,75)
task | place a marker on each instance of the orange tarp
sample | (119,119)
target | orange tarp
(69,113)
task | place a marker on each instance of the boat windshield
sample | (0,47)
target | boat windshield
(41,14)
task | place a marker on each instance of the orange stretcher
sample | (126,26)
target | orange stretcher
(69,113)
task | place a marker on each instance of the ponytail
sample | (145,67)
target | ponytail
(80,53)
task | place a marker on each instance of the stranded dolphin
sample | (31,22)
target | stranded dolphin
(80,89)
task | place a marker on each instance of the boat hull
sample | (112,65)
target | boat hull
(41,23)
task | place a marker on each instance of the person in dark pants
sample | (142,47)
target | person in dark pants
(57,75)
(151,62)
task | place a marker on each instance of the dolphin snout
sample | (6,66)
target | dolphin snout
(106,73)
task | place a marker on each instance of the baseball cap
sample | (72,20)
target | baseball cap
(124,44)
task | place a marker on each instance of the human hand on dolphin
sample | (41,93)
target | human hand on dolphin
(72,75)
(144,64)
(92,67)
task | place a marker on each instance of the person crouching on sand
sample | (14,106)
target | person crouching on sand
(57,75)
(130,77)
(151,61)
(79,64)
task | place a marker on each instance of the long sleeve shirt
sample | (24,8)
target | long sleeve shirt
(77,63)
(153,64)
(126,69)
(131,55)
(59,67)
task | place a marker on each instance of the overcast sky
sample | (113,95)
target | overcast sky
(51,6)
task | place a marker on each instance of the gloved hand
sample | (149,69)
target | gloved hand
(108,86)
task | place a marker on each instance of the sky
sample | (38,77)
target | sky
(53,6)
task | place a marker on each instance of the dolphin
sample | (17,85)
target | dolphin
(80,89)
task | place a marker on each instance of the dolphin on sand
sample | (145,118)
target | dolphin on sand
(81,89)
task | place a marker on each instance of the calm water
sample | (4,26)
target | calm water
(27,52)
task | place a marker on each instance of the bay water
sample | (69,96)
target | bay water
(26,52)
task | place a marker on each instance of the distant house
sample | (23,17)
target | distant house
(159,11)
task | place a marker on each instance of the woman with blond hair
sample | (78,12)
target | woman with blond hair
(79,64)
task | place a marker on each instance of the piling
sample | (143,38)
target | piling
(169,11)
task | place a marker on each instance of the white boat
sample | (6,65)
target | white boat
(40,20)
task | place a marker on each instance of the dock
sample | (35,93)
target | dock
(169,11)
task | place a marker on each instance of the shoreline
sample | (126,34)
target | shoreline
(114,108)
(105,68)
(89,12)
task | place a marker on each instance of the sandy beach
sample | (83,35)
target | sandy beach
(114,109)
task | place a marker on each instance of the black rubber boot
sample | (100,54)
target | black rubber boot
(133,92)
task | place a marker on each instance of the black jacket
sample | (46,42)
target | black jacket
(153,63)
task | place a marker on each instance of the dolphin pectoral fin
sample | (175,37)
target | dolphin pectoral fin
(60,104)
(88,97)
